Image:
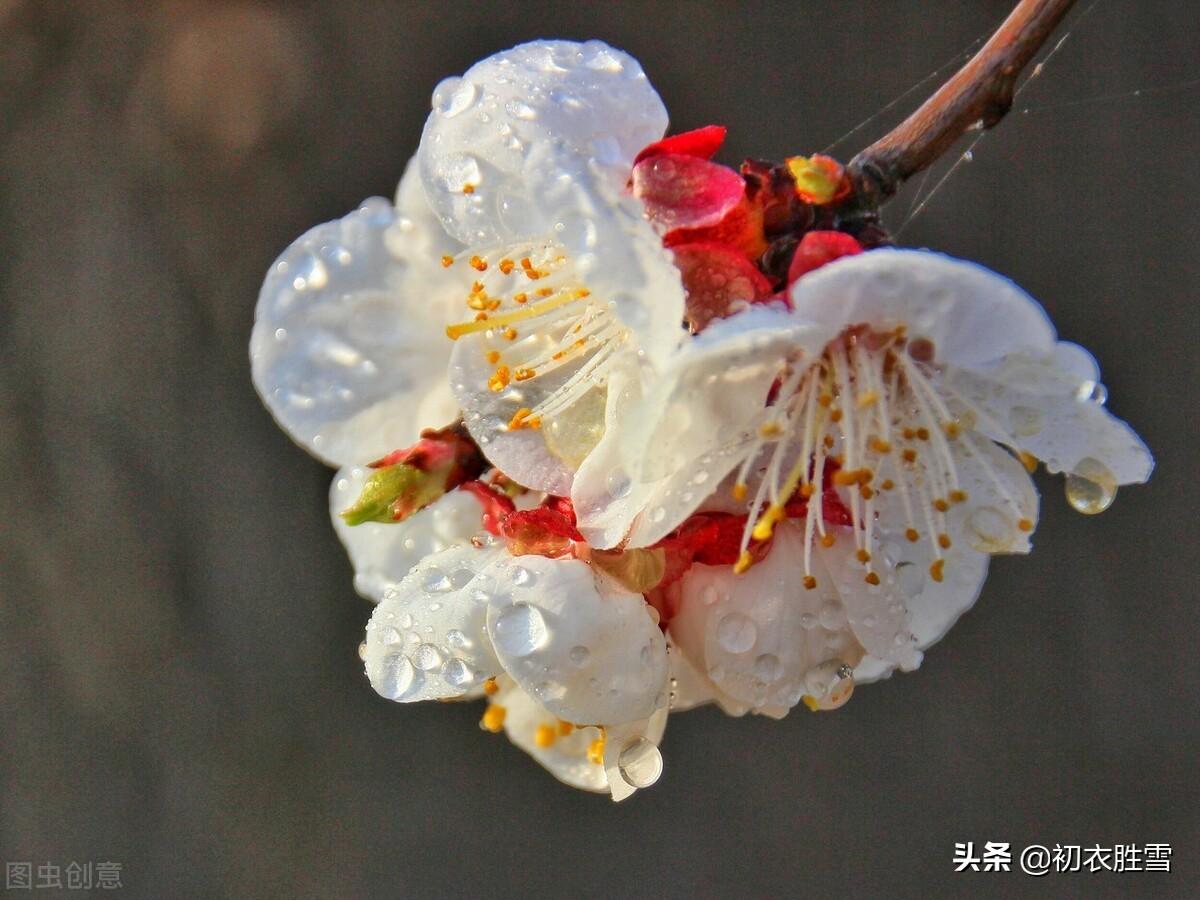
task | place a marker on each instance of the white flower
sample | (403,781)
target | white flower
(901,376)
(577,645)
(566,289)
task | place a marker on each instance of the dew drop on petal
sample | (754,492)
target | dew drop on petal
(398,677)
(458,673)
(362,650)
(390,635)
(768,668)
(520,630)
(579,655)
(736,633)
(436,581)
(618,484)
(1092,392)
(428,657)
(454,96)
(832,616)
(640,763)
(522,576)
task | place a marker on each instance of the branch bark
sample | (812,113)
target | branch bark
(981,91)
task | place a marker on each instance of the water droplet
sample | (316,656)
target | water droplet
(832,616)
(768,668)
(456,639)
(1091,488)
(519,110)
(461,578)
(362,650)
(618,484)
(390,636)
(520,630)
(579,655)
(968,155)
(428,657)
(458,673)
(436,581)
(736,633)
(658,514)
(700,477)
(522,577)
(397,677)
(1092,392)
(808,621)
(990,525)
(458,170)
(406,621)
(709,595)
(454,96)
(640,763)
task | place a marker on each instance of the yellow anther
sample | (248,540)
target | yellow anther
(524,374)
(940,505)
(447,262)
(809,582)
(490,687)
(522,418)
(506,266)
(770,430)
(944,541)
(879,445)
(835,414)
(1025,524)
(871,578)
(909,434)
(935,570)
(565,728)
(957,496)
(825,400)
(500,379)
(827,539)
(863,555)
(909,455)
(887,484)
(468,188)
(595,752)
(522,297)
(545,736)
(510,334)
(952,429)
(866,398)
(811,703)
(1028,460)
(806,491)
(478,263)
(867,492)
(493,357)
(922,434)
(493,718)
(739,491)
(912,535)
(765,526)
(745,561)
(545,292)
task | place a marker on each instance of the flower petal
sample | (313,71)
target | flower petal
(427,639)
(507,144)
(581,645)
(971,315)
(566,757)
(761,637)
(696,424)
(631,757)
(382,553)
(347,341)
(1052,407)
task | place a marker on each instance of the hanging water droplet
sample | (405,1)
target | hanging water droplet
(1091,488)
(520,630)
(736,633)
(362,650)
(397,677)
(640,763)
(428,657)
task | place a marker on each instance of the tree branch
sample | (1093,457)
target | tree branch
(980,92)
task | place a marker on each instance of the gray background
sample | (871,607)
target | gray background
(179,688)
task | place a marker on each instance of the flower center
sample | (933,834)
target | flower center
(537,320)
(876,410)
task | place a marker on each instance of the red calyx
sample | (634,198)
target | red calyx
(682,191)
(496,506)
(817,248)
(702,142)
(718,280)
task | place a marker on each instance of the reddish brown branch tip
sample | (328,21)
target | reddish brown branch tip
(980,92)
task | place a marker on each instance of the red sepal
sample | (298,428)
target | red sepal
(702,142)
(818,248)
(717,280)
(496,506)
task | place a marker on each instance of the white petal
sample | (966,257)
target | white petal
(972,315)
(932,607)
(689,688)
(382,553)
(567,758)
(583,646)
(427,638)
(348,336)
(526,128)
(1049,406)
(760,636)
(698,421)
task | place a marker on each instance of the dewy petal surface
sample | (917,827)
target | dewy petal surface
(523,127)
(382,553)
(348,341)
(566,757)
(427,639)
(971,315)
(585,648)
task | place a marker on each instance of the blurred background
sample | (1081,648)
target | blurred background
(179,685)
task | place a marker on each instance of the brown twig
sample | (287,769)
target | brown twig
(978,95)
